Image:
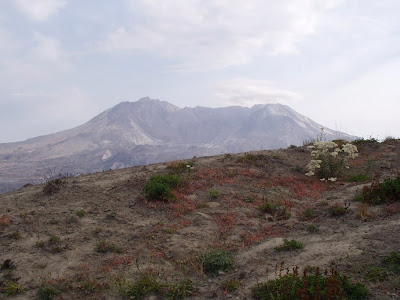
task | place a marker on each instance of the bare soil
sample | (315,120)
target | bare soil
(49,240)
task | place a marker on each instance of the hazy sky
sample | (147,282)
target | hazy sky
(64,61)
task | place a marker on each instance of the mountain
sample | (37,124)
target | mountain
(151,131)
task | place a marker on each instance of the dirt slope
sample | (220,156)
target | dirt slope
(98,230)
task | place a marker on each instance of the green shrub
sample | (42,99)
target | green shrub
(47,292)
(214,194)
(251,158)
(289,245)
(102,246)
(216,260)
(230,286)
(311,285)
(312,228)
(376,273)
(363,141)
(81,213)
(337,210)
(359,178)
(379,193)
(269,208)
(159,187)
(140,288)
(53,186)
(248,199)
(180,290)
(11,287)
(309,214)
(181,166)
(392,262)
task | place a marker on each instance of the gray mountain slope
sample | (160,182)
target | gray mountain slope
(151,131)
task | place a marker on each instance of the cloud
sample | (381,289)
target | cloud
(42,61)
(32,112)
(249,92)
(7,43)
(207,35)
(40,10)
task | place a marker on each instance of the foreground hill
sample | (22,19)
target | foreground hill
(152,131)
(97,237)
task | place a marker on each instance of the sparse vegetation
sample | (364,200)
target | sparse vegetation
(99,238)
(363,141)
(313,228)
(180,290)
(216,260)
(337,210)
(178,167)
(289,245)
(269,208)
(380,193)
(81,213)
(250,158)
(47,292)
(281,212)
(103,246)
(311,285)
(230,286)
(392,262)
(144,285)
(11,287)
(362,177)
(309,214)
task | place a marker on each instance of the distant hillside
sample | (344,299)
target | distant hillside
(151,131)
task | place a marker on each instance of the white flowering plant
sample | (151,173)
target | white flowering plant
(329,160)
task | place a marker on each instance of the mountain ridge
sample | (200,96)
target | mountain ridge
(151,131)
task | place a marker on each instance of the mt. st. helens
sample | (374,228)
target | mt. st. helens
(151,131)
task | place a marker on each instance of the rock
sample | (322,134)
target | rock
(213,204)
(191,197)
(132,202)
(204,215)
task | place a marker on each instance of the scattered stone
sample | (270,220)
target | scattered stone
(213,204)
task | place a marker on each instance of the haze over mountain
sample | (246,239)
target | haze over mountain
(151,131)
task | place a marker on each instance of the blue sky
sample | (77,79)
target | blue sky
(64,61)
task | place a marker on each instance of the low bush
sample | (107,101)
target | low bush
(103,246)
(140,288)
(214,194)
(359,178)
(309,214)
(230,286)
(47,292)
(289,245)
(180,290)
(377,193)
(53,186)
(312,228)
(311,285)
(281,212)
(329,159)
(159,187)
(251,158)
(392,262)
(216,260)
(337,210)
(11,287)
(269,208)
